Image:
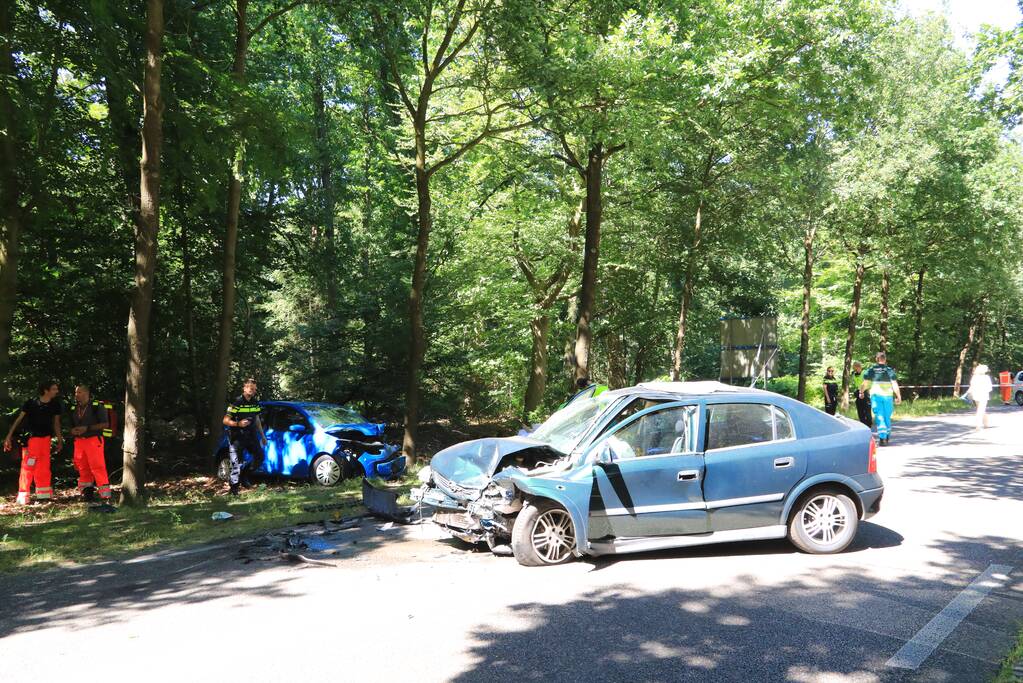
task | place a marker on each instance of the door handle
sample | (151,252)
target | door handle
(782,463)
(689,475)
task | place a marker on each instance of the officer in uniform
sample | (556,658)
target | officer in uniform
(830,391)
(881,381)
(246,432)
(862,397)
(41,416)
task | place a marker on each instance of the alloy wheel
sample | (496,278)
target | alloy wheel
(553,537)
(824,519)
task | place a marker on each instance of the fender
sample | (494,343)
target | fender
(815,480)
(567,494)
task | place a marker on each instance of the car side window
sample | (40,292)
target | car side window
(739,424)
(629,410)
(782,424)
(287,417)
(267,416)
(662,432)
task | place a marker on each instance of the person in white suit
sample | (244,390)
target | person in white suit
(980,392)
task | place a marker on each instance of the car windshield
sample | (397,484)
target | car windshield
(335,415)
(563,429)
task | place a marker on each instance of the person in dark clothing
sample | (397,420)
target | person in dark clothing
(40,418)
(862,397)
(245,433)
(830,392)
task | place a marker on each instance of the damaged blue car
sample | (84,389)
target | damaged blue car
(660,465)
(324,442)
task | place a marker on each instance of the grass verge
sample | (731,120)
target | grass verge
(1012,660)
(68,532)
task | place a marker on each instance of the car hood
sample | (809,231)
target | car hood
(471,464)
(366,428)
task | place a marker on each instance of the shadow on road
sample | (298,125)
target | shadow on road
(992,478)
(116,590)
(839,623)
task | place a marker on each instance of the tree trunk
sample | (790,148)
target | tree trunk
(234,194)
(918,310)
(854,313)
(193,363)
(962,357)
(804,328)
(885,288)
(134,477)
(327,200)
(537,385)
(591,255)
(687,295)
(10,198)
(417,335)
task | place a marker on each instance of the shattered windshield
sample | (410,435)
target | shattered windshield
(564,428)
(335,415)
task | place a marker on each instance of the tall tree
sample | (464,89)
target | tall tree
(146,233)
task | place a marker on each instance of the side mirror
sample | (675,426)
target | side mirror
(605,456)
(297,429)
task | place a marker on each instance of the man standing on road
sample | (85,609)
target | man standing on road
(862,397)
(881,381)
(90,422)
(41,416)
(246,432)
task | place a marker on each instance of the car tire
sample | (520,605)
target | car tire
(326,470)
(1019,398)
(824,522)
(543,535)
(222,469)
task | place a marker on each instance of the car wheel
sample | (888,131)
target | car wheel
(326,470)
(1019,398)
(223,466)
(543,535)
(824,522)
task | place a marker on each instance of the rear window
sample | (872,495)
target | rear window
(742,424)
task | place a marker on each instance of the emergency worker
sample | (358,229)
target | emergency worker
(245,433)
(862,397)
(41,418)
(830,391)
(90,423)
(882,383)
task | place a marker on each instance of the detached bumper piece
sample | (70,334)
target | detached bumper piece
(384,504)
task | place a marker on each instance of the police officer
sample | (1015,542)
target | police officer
(41,416)
(882,383)
(862,397)
(246,432)
(830,391)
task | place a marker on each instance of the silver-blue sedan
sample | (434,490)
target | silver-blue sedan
(660,465)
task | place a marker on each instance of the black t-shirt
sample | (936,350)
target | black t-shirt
(39,416)
(244,409)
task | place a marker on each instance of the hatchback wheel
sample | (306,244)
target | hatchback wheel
(824,522)
(326,470)
(1019,398)
(224,467)
(543,535)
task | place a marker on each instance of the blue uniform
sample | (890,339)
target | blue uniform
(882,396)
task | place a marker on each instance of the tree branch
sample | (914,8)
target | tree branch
(276,13)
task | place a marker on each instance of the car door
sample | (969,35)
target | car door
(273,458)
(752,460)
(647,476)
(291,433)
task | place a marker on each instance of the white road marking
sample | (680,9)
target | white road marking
(927,639)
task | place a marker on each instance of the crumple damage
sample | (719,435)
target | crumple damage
(472,486)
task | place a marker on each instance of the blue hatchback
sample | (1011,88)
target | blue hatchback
(324,442)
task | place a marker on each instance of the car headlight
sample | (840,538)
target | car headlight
(425,474)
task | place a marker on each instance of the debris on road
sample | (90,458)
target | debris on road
(383,504)
(221,516)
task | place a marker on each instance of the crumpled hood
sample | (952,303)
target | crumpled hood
(472,463)
(369,429)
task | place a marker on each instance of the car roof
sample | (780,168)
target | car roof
(685,389)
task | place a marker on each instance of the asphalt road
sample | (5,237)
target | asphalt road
(934,581)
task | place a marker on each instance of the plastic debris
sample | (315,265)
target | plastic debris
(221,516)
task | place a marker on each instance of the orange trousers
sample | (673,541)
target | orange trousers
(91,466)
(35,467)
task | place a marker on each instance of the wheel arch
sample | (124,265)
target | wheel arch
(835,482)
(533,493)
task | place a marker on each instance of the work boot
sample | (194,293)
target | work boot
(233,490)
(89,494)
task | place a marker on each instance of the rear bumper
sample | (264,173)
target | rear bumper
(870,501)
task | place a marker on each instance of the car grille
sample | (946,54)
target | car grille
(453,488)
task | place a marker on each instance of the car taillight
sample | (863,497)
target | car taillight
(872,458)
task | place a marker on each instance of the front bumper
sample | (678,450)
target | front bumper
(386,465)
